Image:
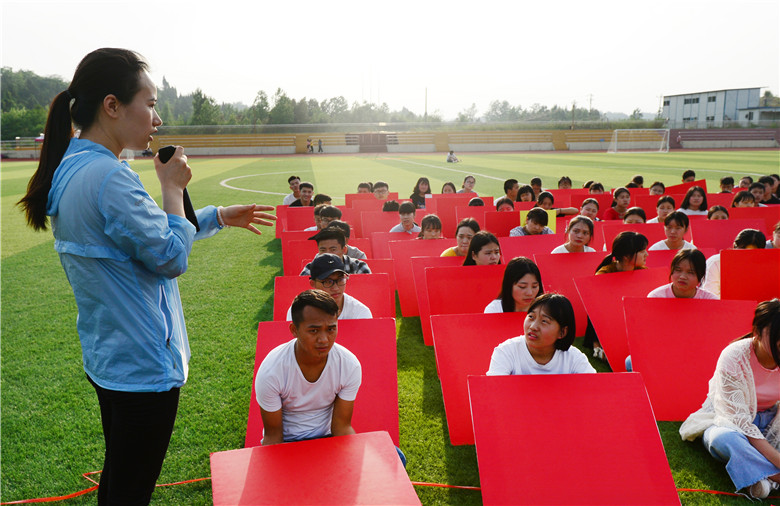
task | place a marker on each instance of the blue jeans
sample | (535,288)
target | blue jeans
(744,463)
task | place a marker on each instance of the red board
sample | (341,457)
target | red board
(419,264)
(529,245)
(299,218)
(373,290)
(380,242)
(383,221)
(533,430)
(751,274)
(373,343)
(351,198)
(445,209)
(298,252)
(675,344)
(476,212)
(464,344)
(402,253)
(501,223)
(558,273)
(770,215)
(281,220)
(683,188)
(720,234)
(360,469)
(603,295)
(663,258)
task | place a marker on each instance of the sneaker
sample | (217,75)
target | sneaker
(760,489)
(598,352)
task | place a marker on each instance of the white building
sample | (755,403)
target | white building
(716,109)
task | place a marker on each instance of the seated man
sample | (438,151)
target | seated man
(406,211)
(317,224)
(381,190)
(294,182)
(535,224)
(307,190)
(511,187)
(323,215)
(332,240)
(688,176)
(321,198)
(352,251)
(451,158)
(769,184)
(726,184)
(327,274)
(307,387)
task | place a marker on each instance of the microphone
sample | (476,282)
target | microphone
(165,154)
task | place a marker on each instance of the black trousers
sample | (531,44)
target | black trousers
(137,428)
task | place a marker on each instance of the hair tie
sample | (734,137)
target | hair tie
(67,94)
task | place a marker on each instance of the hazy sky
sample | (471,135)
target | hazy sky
(618,54)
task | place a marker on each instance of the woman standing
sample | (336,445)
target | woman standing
(122,254)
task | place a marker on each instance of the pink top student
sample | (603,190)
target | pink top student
(686,274)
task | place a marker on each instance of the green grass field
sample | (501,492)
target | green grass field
(50,421)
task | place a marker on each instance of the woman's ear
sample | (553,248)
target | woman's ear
(563,332)
(111,105)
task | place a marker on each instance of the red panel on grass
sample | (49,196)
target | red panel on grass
(604,200)
(529,245)
(380,242)
(476,212)
(558,273)
(501,223)
(770,215)
(294,235)
(402,253)
(527,427)
(683,188)
(675,344)
(360,468)
(464,344)
(751,274)
(281,220)
(419,264)
(603,295)
(296,253)
(382,221)
(720,234)
(351,198)
(445,209)
(719,199)
(299,218)
(460,289)
(649,202)
(373,290)
(373,343)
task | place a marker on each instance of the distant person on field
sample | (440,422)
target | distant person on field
(595,188)
(321,198)
(468,185)
(536,184)
(757,189)
(505,204)
(726,184)
(535,224)
(391,206)
(695,202)
(451,158)
(294,182)
(476,202)
(769,184)
(621,199)
(365,188)
(590,209)
(745,182)
(564,183)
(305,200)
(743,198)
(638,180)
(324,214)
(406,213)
(546,201)
(718,213)
(332,240)
(317,225)
(319,146)
(352,251)
(635,215)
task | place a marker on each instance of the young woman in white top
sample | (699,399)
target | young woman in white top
(521,285)
(663,207)
(695,202)
(685,275)
(738,420)
(675,226)
(546,344)
(579,232)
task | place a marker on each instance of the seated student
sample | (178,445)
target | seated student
(620,202)
(675,227)
(448,187)
(546,201)
(688,176)
(464,232)
(406,212)
(511,187)
(521,285)
(430,227)
(476,202)
(638,180)
(307,386)
(586,184)
(525,194)
(468,185)
(685,275)
(595,188)
(774,242)
(739,421)
(381,190)
(695,202)
(317,225)
(743,198)
(326,214)
(745,182)
(391,206)
(757,190)
(635,215)
(718,213)
(632,185)
(294,182)
(352,252)
(321,198)
(327,274)
(332,240)
(579,232)
(590,209)
(483,250)
(664,207)
(629,253)
(546,344)
(365,188)
(769,184)
(451,158)
(536,184)
(535,224)
(505,204)
(726,184)
(307,190)
(746,239)
(421,189)
(564,183)
(657,188)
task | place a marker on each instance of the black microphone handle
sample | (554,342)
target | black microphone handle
(165,154)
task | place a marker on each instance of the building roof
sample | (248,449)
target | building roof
(711,91)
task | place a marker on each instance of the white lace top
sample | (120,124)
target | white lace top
(731,400)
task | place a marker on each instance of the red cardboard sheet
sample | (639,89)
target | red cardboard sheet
(380,242)
(720,234)
(402,253)
(419,264)
(750,274)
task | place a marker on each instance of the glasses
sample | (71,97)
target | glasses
(328,282)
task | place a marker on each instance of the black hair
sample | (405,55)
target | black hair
(449,183)
(429,222)
(617,193)
(665,199)
(366,185)
(536,180)
(638,180)
(467,222)
(509,184)
(715,209)
(328,211)
(750,237)
(515,270)
(558,307)
(749,178)
(328,233)
(380,184)
(590,201)
(695,257)
(727,180)
(417,186)
(626,245)
(595,186)
(767,315)
(341,225)
(407,208)
(766,180)
(545,195)
(688,173)
(321,198)
(635,211)
(504,201)
(476,202)
(526,188)
(581,219)
(659,183)
(678,217)
(306,184)
(564,179)
(632,185)
(467,178)
(741,196)
(480,239)
(756,186)
(587,183)
(538,215)
(292,178)
(102,72)
(391,205)
(687,200)
(315,298)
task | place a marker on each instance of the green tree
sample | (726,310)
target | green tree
(468,115)
(21,122)
(283,112)
(205,110)
(637,114)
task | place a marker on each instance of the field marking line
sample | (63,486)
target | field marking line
(444,168)
(224,183)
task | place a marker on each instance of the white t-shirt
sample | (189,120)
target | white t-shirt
(512,357)
(310,229)
(353,310)
(494,307)
(652,220)
(307,408)
(665,292)
(289,199)
(400,228)
(562,249)
(661,245)
(712,276)
(691,212)
(354,252)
